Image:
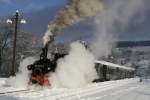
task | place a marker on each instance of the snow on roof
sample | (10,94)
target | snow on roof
(113,65)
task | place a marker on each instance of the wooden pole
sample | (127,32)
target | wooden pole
(14,44)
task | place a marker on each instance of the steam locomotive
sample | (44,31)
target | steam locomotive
(40,69)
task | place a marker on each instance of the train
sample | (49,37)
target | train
(106,71)
(109,71)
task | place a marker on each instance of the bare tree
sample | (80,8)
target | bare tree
(27,45)
(5,34)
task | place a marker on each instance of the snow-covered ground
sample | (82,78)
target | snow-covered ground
(128,89)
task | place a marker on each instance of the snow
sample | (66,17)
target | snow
(2,81)
(6,88)
(113,65)
(127,89)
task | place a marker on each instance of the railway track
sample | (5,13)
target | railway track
(16,91)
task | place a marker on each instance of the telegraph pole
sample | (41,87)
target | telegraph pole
(14,43)
(15,20)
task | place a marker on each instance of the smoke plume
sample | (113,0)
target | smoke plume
(117,15)
(75,70)
(73,12)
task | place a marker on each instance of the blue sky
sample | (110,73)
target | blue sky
(7,7)
(33,11)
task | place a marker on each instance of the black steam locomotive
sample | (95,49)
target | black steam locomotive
(40,68)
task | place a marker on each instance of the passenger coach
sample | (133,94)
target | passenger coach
(109,71)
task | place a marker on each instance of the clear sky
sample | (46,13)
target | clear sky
(9,6)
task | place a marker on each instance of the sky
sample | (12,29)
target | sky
(7,7)
(39,13)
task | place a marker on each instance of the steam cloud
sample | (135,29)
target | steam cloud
(117,15)
(74,11)
(21,79)
(75,70)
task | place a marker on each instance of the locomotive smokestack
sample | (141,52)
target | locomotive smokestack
(73,12)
